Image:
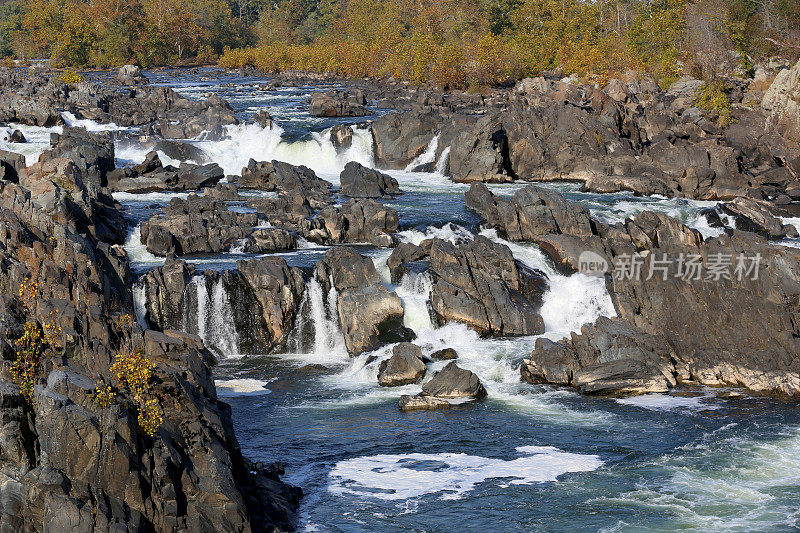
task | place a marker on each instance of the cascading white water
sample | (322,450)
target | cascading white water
(317,334)
(213,321)
(427,156)
(414,289)
(444,159)
(140,303)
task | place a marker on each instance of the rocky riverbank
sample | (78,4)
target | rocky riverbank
(72,462)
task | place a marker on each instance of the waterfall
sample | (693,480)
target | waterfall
(140,304)
(213,320)
(444,159)
(426,157)
(415,289)
(317,330)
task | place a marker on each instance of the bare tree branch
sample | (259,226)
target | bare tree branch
(784,45)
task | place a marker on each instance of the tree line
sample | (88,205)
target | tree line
(453,43)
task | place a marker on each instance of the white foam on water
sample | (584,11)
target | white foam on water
(723,482)
(665,402)
(791,221)
(317,336)
(570,301)
(150,197)
(444,159)
(246,141)
(449,232)
(140,304)
(37,140)
(213,321)
(89,125)
(137,252)
(450,475)
(227,388)
(427,156)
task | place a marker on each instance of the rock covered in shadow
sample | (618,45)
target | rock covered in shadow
(359,181)
(342,137)
(404,253)
(445,354)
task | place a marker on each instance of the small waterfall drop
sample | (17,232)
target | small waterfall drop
(444,159)
(213,320)
(427,157)
(140,304)
(317,332)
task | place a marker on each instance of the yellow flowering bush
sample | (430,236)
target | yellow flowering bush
(134,373)
(70,77)
(33,345)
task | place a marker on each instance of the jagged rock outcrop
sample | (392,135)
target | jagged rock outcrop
(338,104)
(357,221)
(481,285)
(288,180)
(151,176)
(92,153)
(756,217)
(370,314)
(609,356)
(404,253)
(781,103)
(11,165)
(698,306)
(359,181)
(195,225)
(70,464)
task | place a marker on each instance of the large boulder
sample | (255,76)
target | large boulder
(151,176)
(481,285)
(454,382)
(286,179)
(609,356)
(404,367)
(359,181)
(195,225)
(92,153)
(478,153)
(337,104)
(370,314)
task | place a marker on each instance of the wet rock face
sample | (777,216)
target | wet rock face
(342,137)
(359,181)
(398,139)
(404,367)
(370,314)
(421,402)
(481,285)
(479,154)
(454,382)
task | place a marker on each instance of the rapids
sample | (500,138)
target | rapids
(526,458)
